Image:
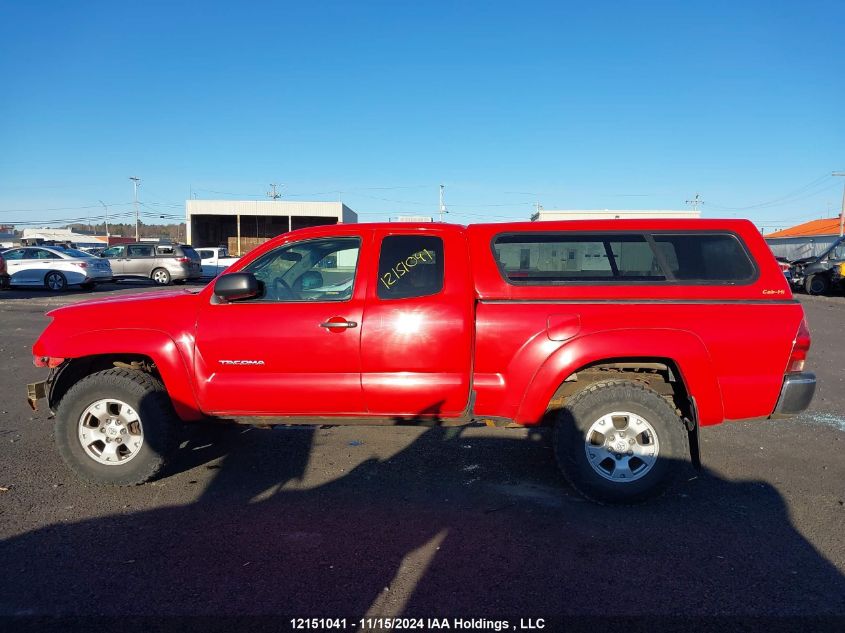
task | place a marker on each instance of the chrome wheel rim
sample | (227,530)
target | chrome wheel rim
(55,281)
(110,432)
(622,446)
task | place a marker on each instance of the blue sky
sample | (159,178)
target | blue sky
(575,105)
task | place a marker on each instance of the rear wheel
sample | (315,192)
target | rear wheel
(161,277)
(54,280)
(116,427)
(620,442)
(816,284)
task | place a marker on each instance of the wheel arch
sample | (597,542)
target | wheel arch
(675,359)
(91,352)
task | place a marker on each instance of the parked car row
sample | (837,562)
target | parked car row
(59,267)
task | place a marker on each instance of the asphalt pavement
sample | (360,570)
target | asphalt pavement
(423,523)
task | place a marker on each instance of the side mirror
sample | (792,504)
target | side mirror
(237,286)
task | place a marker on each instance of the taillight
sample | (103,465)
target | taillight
(80,264)
(184,260)
(800,347)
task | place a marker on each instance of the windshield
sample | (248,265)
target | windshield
(72,252)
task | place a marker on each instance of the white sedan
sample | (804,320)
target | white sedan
(55,268)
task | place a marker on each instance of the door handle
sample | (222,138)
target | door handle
(339,324)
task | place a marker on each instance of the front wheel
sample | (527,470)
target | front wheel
(116,427)
(620,442)
(816,284)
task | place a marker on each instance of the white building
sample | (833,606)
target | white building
(611,214)
(242,224)
(64,235)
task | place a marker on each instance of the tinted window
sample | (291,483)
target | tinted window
(166,249)
(206,254)
(718,258)
(39,253)
(410,266)
(13,255)
(548,258)
(316,270)
(140,251)
(114,251)
(188,251)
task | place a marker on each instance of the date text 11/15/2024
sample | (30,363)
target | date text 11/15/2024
(416,624)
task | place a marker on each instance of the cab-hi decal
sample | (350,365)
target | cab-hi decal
(241,362)
(774,292)
(402,268)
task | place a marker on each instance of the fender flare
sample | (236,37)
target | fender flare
(683,348)
(155,344)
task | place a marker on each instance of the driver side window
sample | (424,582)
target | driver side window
(314,270)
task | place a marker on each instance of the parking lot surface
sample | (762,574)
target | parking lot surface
(354,522)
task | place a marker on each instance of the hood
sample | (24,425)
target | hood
(139,301)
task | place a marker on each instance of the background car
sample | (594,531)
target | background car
(55,268)
(4,275)
(163,263)
(215,260)
(817,275)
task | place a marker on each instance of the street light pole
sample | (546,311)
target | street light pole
(842,211)
(107,219)
(135,180)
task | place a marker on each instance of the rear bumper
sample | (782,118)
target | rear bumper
(795,394)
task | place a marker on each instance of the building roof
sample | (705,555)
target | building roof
(826,226)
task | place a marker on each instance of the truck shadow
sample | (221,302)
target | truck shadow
(457,523)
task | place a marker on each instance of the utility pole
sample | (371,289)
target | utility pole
(135,180)
(273,195)
(538,207)
(442,204)
(842,212)
(695,202)
(105,206)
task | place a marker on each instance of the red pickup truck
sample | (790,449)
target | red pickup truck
(625,335)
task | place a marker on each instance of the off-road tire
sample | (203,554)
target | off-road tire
(817,284)
(160,277)
(148,397)
(583,409)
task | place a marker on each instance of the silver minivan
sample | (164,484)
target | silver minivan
(163,263)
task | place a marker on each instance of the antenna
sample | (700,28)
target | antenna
(695,202)
(442,204)
(273,195)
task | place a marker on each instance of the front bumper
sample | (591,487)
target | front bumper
(795,394)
